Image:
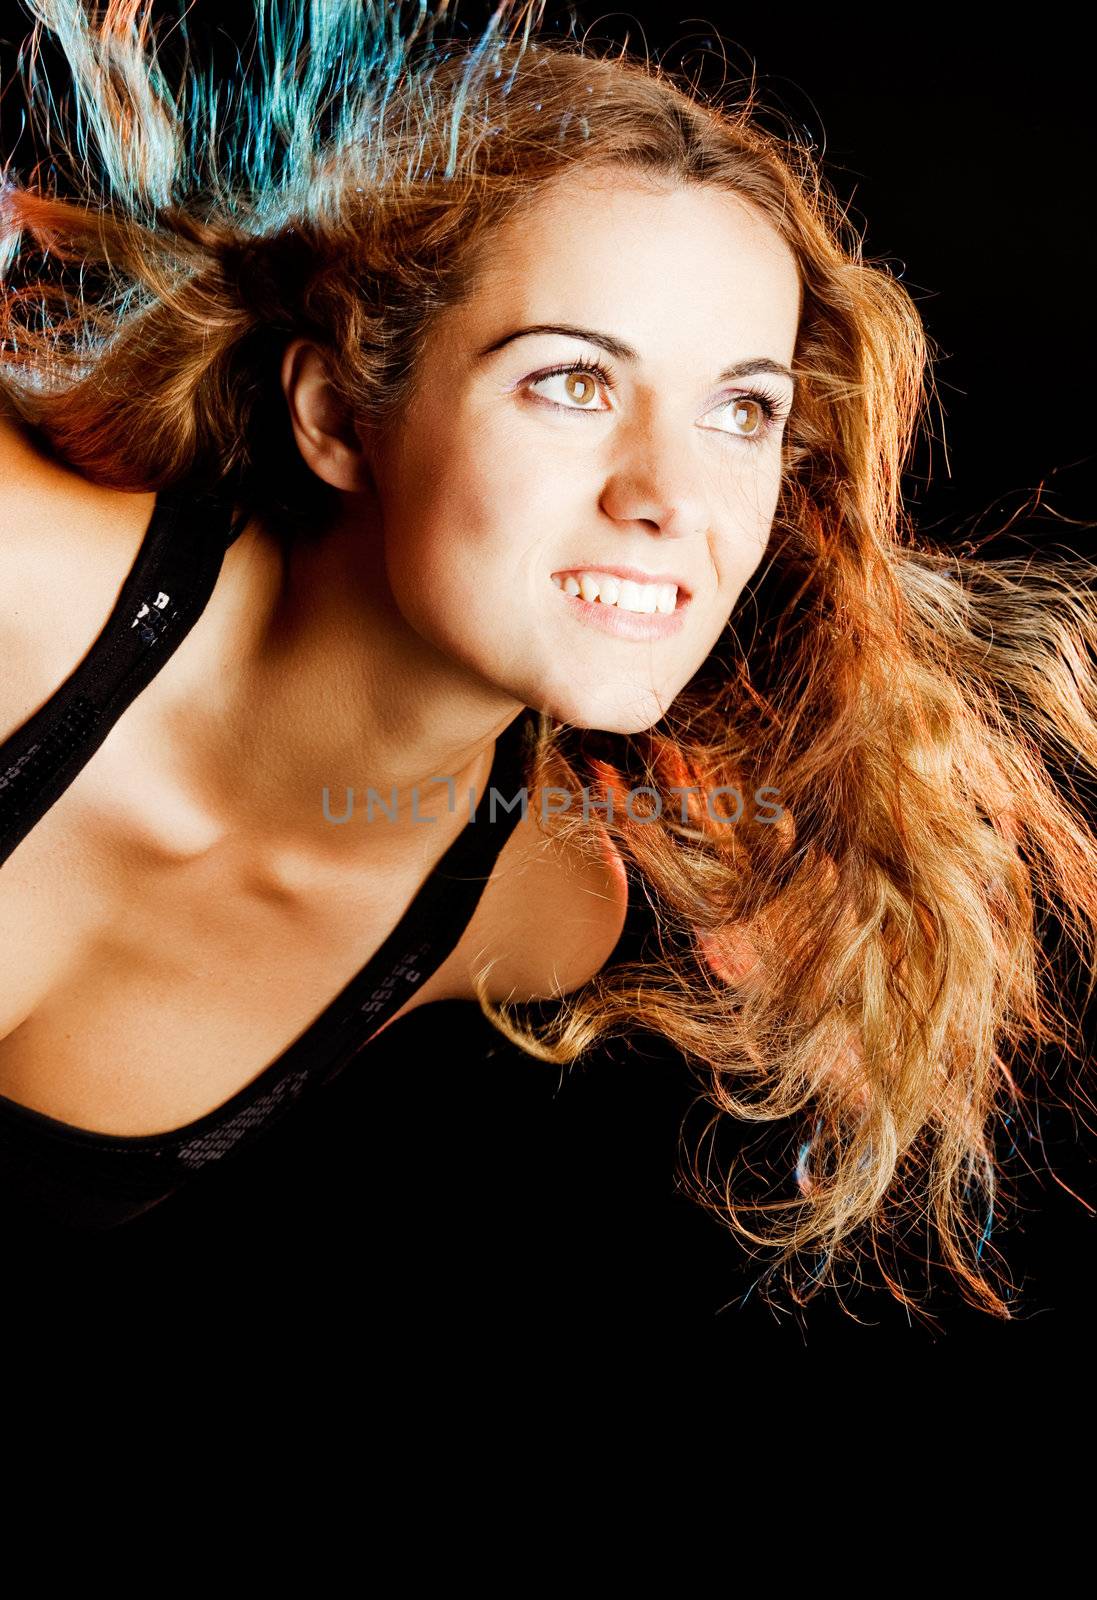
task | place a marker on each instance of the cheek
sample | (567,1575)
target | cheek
(425,510)
(748,518)
(472,515)
(433,575)
(754,491)
(464,507)
(446,564)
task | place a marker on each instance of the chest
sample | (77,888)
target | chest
(144,984)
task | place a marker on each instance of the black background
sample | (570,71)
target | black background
(453,1195)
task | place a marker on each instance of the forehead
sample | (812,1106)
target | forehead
(617,250)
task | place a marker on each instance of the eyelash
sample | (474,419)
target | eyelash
(771,404)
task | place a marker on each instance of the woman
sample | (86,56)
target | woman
(433,453)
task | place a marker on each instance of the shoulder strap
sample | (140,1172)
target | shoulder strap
(161,599)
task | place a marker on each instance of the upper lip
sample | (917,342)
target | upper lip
(635,574)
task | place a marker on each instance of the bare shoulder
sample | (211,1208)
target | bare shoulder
(66,548)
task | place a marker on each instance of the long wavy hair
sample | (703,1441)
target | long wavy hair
(867,973)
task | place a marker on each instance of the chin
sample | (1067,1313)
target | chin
(609,713)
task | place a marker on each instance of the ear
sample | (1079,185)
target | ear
(323,425)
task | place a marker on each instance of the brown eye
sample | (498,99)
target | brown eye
(580,386)
(753,416)
(580,383)
(749,417)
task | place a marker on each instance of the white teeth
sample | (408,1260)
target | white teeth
(638,596)
(621,592)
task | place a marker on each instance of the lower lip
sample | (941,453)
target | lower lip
(636,625)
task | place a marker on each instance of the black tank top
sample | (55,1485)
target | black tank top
(90,1179)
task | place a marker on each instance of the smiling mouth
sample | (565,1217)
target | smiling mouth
(622,594)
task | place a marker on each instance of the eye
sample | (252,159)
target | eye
(577,384)
(755,413)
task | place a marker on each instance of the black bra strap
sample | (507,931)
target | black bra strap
(163,596)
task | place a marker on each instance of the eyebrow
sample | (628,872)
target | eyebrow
(624,352)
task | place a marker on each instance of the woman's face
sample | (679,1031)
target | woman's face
(502,479)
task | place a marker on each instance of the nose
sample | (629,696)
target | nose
(656,478)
